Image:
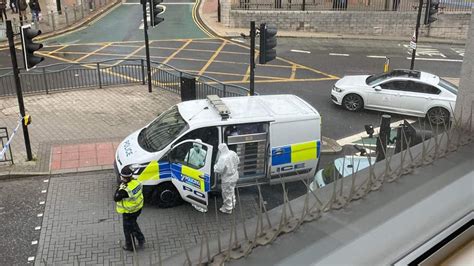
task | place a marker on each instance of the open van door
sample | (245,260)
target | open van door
(190,163)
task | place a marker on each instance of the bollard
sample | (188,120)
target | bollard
(75,13)
(66,15)
(386,65)
(384,137)
(82,9)
(52,21)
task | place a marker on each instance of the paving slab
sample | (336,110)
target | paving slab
(67,125)
(80,225)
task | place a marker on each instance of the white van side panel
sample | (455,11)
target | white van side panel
(285,133)
(294,148)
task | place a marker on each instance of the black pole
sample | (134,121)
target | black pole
(252,57)
(16,74)
(58,6)
(418,18)
(218,10)
(384,136)
(147,45)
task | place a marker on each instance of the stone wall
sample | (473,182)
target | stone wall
(386,23)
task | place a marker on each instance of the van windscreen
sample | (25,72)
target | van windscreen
(162,131)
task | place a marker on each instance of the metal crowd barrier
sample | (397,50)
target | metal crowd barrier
(114,72)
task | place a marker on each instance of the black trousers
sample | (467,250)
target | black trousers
(131,228)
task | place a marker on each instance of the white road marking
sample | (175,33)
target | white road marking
(43,191)
(31,258)
(376,56)
(40,215)
(436,59)
(459,51)
(338,54)
(42,202)
(35,242)
(358,136)
(425,50)
(38,228)
(237,40)
(300,51)
(46,180)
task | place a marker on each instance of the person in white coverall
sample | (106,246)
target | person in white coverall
(196,156)
(227,166)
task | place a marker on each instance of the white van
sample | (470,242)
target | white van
(277,138)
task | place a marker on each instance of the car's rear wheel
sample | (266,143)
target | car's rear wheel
(165,195)
(353,102)
(438,116)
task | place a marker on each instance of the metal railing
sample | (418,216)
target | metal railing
(50,21)
(68,76)
(350,5)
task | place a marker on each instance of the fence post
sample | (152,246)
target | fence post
(98,74)
(143,71)
(82,9)
(304,5)
(66,16)
(45,80)
(225,88)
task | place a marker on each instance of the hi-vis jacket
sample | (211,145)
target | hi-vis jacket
(134,202)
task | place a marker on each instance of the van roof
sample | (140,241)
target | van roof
(199,113)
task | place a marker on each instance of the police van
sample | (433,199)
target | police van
(277,138)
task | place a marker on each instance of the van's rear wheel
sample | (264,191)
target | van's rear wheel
(165,195)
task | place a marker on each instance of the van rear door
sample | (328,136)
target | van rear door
(191,171)
(295,150)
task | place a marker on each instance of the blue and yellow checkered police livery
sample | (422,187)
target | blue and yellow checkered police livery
(155,171)
(160,170)
(295,153)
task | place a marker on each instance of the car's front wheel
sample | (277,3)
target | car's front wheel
(438,116)
(165,195)
(353,102)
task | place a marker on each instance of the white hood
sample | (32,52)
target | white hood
(352,81)
(129,152)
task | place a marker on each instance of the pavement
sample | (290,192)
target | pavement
(77,131)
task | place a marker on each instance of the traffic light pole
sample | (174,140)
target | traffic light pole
(252,57)
(418,18)
(147,46)
(16,75)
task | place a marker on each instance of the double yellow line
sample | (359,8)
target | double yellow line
(198,23)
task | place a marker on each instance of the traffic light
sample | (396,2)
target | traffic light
(430,11)
(268,42)
(27,120)
(29,47)
(155,10)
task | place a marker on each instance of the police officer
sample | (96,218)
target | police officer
(129,202)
